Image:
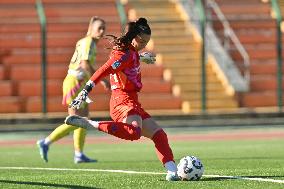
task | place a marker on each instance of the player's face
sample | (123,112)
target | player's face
(98,29)
(140,41)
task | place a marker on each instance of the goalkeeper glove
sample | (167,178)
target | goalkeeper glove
(82,96)
(77,102)
(147,57)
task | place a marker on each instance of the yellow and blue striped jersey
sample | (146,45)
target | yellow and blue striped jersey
(85,50)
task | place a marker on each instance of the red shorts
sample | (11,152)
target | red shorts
(123,104)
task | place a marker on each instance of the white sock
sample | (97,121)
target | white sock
(94,123)
(77,153)
(47,141)
(171,167)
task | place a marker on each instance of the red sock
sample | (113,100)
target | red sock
(163,148)
(120,130)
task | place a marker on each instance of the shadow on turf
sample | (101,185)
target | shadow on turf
(46,184)
(226,178)
(246,158)
(264,176)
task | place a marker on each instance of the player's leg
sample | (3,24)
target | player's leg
(164,152)
(130,129)
(55,135)
(127,122)
(58,133)
(70,88)
(79,137)
(79,141)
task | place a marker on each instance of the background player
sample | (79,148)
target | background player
(80,69)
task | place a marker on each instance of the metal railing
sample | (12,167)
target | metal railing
(202,19)
(276,9)
(122,14)
(42,19)
(230,35)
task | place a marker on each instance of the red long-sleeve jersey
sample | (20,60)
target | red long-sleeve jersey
(124,70)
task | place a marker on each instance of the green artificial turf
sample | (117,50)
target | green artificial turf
(256,158)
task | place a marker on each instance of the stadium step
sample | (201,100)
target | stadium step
(210,95)
(248,24)
(59,71)
(257,38)
(178,51)
(179,79)
(190,71)
(23,72)
(196,87)
(152,6)
(54,40)
(250,8)
(180,65)
(7,88)
(260,99)
(160,101)
(169,27)
(34,88)
(34,104)
(214,104)
(51,11)
(20,35)
(101,103)
(256,54)
(25,2)
(268,67)
(56,58)
(256,30)
(27,28)
(54,87)
(3,72)
(261,83)
(178,57)
(165,40)
(11,104)
(239,2)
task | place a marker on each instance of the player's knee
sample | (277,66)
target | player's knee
(160,135)
(135,133)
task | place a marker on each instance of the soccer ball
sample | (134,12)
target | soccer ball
(190,168)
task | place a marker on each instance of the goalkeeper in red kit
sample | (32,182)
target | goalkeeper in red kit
(130,120)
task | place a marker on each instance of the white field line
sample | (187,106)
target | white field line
(139,172)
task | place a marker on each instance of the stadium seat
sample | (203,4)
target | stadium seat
(2,72)
(179,53)
(7,88)
(21,36)
(256,30)
(11,104)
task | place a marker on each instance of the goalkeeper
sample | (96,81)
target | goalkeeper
(131,121)
(80,69)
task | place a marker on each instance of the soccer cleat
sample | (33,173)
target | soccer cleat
(43,149)
(83,159)
(78,121)
(172,177)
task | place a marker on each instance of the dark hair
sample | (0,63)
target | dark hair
(132,30)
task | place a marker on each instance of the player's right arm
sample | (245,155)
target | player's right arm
(117,62)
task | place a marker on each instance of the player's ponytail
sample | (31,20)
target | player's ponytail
(132,30)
